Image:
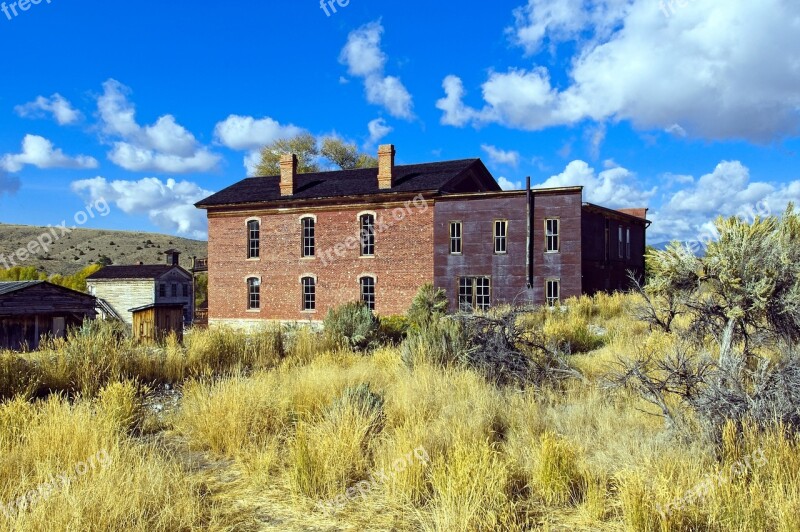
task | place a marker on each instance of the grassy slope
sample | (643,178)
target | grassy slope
(85,246)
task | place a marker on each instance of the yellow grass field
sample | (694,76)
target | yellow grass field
(285,432)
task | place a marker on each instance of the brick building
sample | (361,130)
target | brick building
(291,247)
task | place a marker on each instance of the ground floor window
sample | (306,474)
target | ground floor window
(253,293)
(474,293)
(553,292)
(368,291)
(309,293)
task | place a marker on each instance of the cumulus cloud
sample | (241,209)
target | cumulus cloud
(728,190)
(615,187)
(248,133)
(39,152)
(364,59)
(56,105)
(701,67)
(507,184)
(378,129)
(164,146)
(496,155)
(169,205)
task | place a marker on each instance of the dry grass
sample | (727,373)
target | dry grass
(283,430)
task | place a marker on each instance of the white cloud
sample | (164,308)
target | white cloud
(364,58)
(614,187)
(40,152)
(496,155)
(247,133)
(165,146)
(378,129)
(507,184)
(702,67)
(727,191)
(9,184)
(169,205)
(56,105)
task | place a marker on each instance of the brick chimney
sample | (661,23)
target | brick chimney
(386,166)
(288,174)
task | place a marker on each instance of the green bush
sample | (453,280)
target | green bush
(352,325)
(428,306)
(393,329)
(443,343)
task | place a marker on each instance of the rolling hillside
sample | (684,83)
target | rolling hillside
(82,247)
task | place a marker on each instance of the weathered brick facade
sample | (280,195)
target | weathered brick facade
(403,260)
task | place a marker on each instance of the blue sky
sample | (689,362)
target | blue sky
(691,111)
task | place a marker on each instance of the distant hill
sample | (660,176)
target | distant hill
(82,247)
(699,250)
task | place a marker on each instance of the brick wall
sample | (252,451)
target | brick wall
(403,261)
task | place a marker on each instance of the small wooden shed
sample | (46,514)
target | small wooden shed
(32,309)
(153,323)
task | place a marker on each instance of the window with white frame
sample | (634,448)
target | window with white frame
(309,237)
(553,292)
(253,239)
(500,237)
(309,293)
(253,293)
(368,291)
(552,243)
(620,241)
(456,238)
(367,222)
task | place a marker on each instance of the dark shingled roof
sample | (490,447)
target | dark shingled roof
(429,177)
(13,286)
(131,272)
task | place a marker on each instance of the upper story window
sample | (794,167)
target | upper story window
(185,289)
(309,237)
(367,222)
(552,237)
(628,243)
(553,292)
(162,290)
(309,293)
(368,291)
(500,237)
(456,238)
(620,242)
(253,293)
(174,289)
(253,239)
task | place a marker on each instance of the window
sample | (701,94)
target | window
(553,292)
(368,291)
(500,237)
(551,231)
(253,293)
(367,235)
(162,290)
(185,289)
(253,239)
(628,243)
(174,289)
(309,293)
(474,293)
(309,237)
(455,238)
(619,241)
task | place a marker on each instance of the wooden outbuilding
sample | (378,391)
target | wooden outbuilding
(30,310)
(154,322)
